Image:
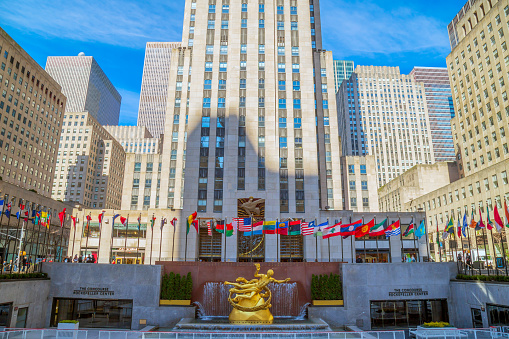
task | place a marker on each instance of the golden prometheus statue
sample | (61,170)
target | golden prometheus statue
(249,305)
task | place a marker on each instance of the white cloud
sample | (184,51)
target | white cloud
(361,27)
(114,22)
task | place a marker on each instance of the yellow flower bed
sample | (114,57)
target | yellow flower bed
(436,324)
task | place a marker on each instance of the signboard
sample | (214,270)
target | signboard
(408,292)
(104,291)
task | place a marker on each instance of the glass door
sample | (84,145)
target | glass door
(476,318)
(21,320)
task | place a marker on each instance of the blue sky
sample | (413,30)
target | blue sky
(370,32)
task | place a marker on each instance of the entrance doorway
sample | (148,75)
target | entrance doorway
(21,320)
(476,318)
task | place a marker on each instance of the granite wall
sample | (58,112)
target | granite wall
(26,293)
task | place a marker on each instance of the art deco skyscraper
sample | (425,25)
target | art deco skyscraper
(440,109)
(383,112)
(342,71)
(86,87)
(154,86)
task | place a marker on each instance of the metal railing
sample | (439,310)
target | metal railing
(489,333)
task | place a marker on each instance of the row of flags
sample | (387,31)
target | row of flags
(476,225)
(298,227)
(39,218)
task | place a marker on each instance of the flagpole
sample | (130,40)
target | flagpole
(100,236)
(352,244)
(152,221)
(211,239)
(185,250)
(328,239)
(365,254)
(173,240)
(277,240)
(316,244)
(291,242)
(73,239)
(416,247)
(494,251)
(88,234)
(502,235)
(161,238)
(252,235)
(377,253)
(7,238)
(62,238)
(14,259)
(139,231)
(224,231)
(38,233)
(469,247)
(390,248)
(438,237)
(126,230)
(46,236)
(401,238)
(485,250)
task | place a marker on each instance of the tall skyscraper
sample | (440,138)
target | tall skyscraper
(440,109)
(31,111)
(154,86)
(342,71)
(135,139)
(383,113)
(90,164)
(86,87)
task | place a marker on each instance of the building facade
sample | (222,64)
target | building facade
(135,139)
(342,71)
(86,87)
(154,86)
(360,184)
(397,194)
(31,108)
(440,109)
(90,164)
(478,71)
(384,113)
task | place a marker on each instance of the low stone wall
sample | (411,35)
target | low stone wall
(334,316)
(466,295)
(26,293)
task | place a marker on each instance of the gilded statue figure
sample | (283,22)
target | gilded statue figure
(249,304)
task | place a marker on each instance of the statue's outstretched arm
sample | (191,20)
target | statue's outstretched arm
(279,281)
(257,271)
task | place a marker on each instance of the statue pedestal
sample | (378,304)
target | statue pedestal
(258,317)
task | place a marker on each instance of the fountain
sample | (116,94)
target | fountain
(251,307)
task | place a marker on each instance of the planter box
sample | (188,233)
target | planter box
(68,326)
(327,302)
(163,302)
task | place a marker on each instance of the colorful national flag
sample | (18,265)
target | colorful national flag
(459,226)
(480,224)
(489,223)
(123,221)
(2,204)
(410,229)
(378,229)
(305,229)
(332,231)
(163,222)
(465,225)
(209,229)
(294,227)
(8,210)
(18,214)
(73,218)
(173,221)
(506,211)
(394,229)
(61,216)
(191,220)
(269,227)
(222,228)
(498,220)
(242,224)
(282,228)
(312,224)
(473,223)
(44,216)
(101,216)
(152,222)
(421,230)
(350,229)
(257,228)
(449,228)
(364,229)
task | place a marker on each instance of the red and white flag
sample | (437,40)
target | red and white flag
(305,229)
(209,230)
(242,224)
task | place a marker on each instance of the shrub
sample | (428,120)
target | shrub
(436,324)
(498,278)
(13,276)
(68,322)
(175,287)
(326,287)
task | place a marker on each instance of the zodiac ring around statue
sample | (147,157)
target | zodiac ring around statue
(267,294)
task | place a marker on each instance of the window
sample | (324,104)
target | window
(353,202)
(363,169)
(364,185)
(282,85)
(351,169)
(352,185)
(296,85)
(242,83)
(137,167)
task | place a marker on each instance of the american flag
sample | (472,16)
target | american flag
(208,228)
(242,224)
(305,229)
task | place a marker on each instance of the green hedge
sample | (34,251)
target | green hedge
(326,287)
(175,287)
(23,276)
(499,278)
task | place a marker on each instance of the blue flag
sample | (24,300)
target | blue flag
(1,206)
(311,224)
(18,213)
(465,225)
(421,230)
